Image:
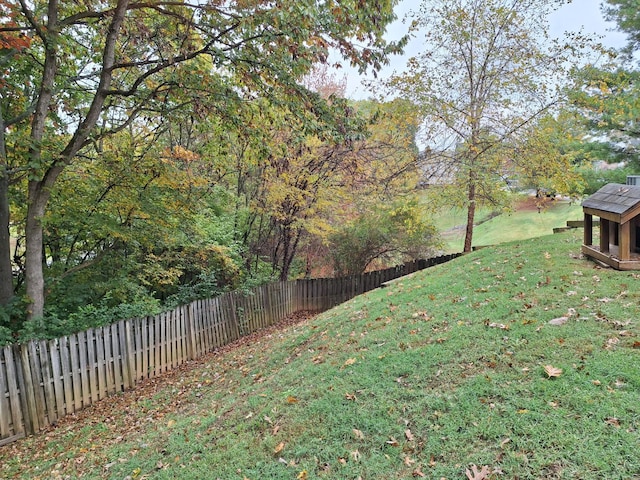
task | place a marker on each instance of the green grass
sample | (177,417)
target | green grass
(439,371)
(519,224)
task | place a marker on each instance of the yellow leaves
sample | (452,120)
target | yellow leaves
(291,399)
(349,362)
(552,372)
(303,475)
(278,448)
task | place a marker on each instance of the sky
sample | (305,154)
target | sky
(578,15)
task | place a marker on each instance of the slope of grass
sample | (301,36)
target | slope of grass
(439,371)
(522,223)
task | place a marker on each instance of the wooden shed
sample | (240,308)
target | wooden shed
(618,207)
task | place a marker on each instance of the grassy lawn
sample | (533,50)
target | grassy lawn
(524,222)
(453,367)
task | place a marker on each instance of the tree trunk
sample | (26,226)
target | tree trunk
(6,276)
(34,261)
(471,215)
(39,190)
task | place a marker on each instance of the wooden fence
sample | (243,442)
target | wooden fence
(44,380)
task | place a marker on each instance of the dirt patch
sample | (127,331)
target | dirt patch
(532,203)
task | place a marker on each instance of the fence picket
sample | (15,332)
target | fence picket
(56,373)
(91,364)
(84,371)
(5,409)
(47,382)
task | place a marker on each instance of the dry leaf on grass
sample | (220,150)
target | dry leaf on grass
(476,474)
(350,361)
(418,473)
(559,321)
(393,442)
(278,448)
(552,371)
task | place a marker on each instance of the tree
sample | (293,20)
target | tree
(96,68)
(487,70)
(625,14)
(392,233)
(608,96)
(12,44)
(549,154)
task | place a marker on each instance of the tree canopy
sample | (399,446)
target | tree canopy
(77,73)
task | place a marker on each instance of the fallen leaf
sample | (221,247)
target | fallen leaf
(409,435)
(356,455)
(349,361)
(552,371)
(278,448)
(303,475)
(418,473)
(350,396)
(408,461)
(292,399)
(476,474)
(359,435)
(612,421)
(501,326)
(611,343)
(559,321)
(393,442)
(171,423)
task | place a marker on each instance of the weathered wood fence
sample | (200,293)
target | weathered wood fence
(42,381)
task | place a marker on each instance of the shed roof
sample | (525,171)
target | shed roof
(615,198)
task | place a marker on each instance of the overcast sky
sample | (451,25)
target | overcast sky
(578,15)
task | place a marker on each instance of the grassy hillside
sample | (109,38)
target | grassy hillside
(525,221)
(454,367)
